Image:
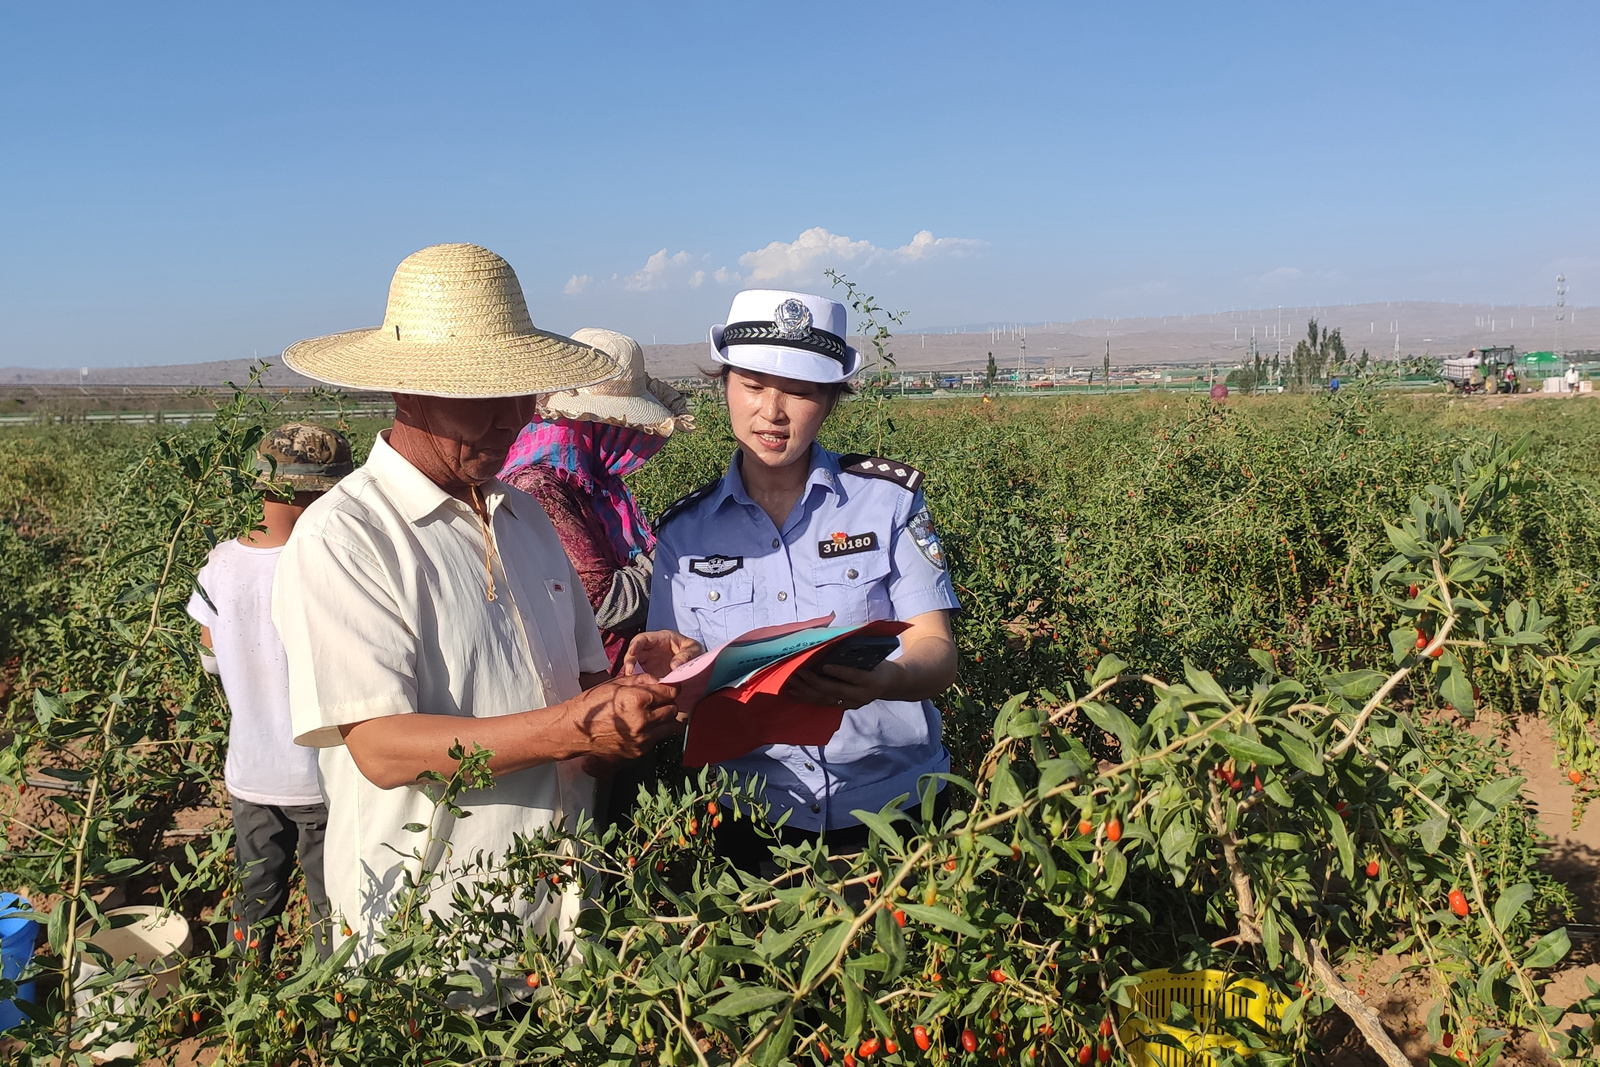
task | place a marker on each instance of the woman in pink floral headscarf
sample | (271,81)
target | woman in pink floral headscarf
(572,459)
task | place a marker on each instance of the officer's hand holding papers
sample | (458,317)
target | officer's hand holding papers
(749,692)
(659,653)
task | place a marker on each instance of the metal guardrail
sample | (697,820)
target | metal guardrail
(179,418)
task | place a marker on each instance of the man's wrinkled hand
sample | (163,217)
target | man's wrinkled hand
(624,718)
(659,653)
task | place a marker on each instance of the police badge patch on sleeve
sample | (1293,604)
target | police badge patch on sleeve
(715,566)
(927,538)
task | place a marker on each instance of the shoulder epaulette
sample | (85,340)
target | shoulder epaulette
(902,474)
(685,502)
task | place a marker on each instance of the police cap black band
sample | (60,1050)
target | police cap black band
(821,342)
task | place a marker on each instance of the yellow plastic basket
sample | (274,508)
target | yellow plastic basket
(1211,996)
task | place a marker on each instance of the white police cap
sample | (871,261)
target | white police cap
(793,335)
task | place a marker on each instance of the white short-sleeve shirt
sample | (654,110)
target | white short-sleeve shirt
(381,601)
(233,599)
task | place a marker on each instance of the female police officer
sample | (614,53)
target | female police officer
(793,531)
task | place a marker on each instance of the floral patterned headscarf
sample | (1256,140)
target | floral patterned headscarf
(594,456)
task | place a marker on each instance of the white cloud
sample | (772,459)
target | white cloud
(804,257)
(924,244)
(660,271)
(816,248)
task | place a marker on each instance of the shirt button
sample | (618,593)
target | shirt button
(782,595)
(811,766)
(816,808)
(852,573)
(775,542)
(713,595)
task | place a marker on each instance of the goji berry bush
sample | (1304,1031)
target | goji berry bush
(1215,662)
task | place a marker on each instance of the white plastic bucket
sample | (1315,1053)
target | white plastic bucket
(157,941)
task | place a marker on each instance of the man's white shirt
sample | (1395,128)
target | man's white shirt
(381,599)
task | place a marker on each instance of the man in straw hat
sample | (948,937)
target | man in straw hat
(424,603)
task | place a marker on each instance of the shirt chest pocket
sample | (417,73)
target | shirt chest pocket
(723,607)
(855,588)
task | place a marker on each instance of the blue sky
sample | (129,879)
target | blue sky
(188,182)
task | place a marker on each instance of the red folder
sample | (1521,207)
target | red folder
(735,720)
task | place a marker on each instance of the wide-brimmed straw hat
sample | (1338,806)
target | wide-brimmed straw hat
(632,398)
(792,335)
(456,326)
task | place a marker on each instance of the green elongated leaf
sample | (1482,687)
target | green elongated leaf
(1263,659)
(1498,792)
(1116,869)
(1003,787)
(1549,950)
(1455,686)
(46,706)
(1055,771)
(1271,938)
(880,1020)
(1278,794)
(1341,841)
(1510,903)
(1109,667)
(1291,1014)
(1584,640)
(1486,979)
(1355,685)
(940,918)
(1431,833)
(1202,682)
(1114,722)
(1476,815)
(880,825)
(1404,543)
(823,950)
(854,1007)
(1008,711)
(1402,644)
(1301,755)
(746,999)
(397,957)
(891,942)
(1041,851)
(1278,841)
(56,928)
(1244,750)
(1177,846)
(771,1053)
(136,593)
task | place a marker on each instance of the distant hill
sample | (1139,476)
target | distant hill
(1222,338)
(174,374)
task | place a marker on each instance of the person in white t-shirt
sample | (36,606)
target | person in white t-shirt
(278,807)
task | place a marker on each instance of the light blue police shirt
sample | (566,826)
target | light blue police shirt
(859,543)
